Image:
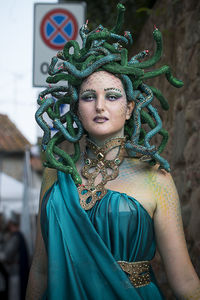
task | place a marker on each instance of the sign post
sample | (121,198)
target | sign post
(54,25)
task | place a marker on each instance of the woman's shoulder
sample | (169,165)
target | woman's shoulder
(155,182)
(144,171)
(146,183)
(49,178)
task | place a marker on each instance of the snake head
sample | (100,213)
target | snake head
(100,27)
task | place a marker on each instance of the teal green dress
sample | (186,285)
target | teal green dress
(83,247)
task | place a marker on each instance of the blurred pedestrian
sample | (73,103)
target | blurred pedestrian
(15,257)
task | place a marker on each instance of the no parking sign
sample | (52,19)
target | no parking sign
(54,25)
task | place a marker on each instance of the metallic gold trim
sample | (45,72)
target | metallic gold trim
(138,272)
(109,169)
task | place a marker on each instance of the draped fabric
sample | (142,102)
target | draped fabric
(83,247)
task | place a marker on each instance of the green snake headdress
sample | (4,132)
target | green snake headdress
(103,49)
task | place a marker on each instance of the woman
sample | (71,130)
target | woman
(103,211)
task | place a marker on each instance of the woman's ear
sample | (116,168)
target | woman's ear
(130,107)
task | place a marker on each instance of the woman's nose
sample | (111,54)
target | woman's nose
(100,104)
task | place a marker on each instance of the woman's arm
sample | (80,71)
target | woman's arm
(38,272)
(171,241)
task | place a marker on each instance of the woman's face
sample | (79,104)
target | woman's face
(103,107)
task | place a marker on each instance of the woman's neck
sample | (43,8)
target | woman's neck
(111,152)
(101,141)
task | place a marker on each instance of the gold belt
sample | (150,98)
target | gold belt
(138,272)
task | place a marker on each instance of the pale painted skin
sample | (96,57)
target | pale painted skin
(103,107)
(154,189)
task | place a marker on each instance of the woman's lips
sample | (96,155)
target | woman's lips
(100,119)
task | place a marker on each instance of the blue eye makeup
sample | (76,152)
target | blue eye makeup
(113,96)
(88,96)
(110,95)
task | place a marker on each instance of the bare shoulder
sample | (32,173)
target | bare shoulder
(161,182)
(139,172)
(49,178)
(147,184)
(159,176)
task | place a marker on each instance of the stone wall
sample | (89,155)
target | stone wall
(179,21)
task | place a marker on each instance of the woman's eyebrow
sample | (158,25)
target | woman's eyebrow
(88,90)
(113,89)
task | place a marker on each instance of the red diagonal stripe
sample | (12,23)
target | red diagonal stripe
(58,29)
(63,33)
